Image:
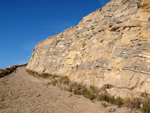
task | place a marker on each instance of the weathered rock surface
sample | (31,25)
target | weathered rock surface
(110,46)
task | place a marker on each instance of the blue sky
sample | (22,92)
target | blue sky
(24,23)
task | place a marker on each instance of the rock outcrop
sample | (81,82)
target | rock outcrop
(109,47)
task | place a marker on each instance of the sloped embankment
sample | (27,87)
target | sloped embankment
(22,93)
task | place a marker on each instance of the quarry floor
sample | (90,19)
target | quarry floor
(23,93)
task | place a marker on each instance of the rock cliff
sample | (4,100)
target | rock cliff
(109,47)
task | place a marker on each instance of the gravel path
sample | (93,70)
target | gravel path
(22,93)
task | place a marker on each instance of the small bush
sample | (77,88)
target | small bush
(7,71)
(146,105)
(64,80)
(112,99)
(4,72)
(135,103)
(49,83)
(104,104)
(54,82)
(93,89)
(76,91)
(70,95)
(107,97)
(89,95)
(45,75)
(127,102)
(111,110)
(146,109)
(87,92)
(71,85)
(33,73)
(79,89)
(92,92)
(119,101)
(103,97)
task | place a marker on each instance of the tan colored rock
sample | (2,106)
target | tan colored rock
(123,93)
(110,46)
(146,2)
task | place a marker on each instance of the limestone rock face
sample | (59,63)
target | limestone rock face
(110,46)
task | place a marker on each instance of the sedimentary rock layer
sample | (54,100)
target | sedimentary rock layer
(110,46)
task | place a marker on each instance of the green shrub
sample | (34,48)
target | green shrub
(93,89)
(33,73)
(119,101)
(92,92)
(146,105)
(76,91)
(103,97)
(54,82)
(7,71)
(111,110)
(127,102)
(64,80)
(145,109)
(112,99)
(89,95)
(135,103)
(49,83)
(107,97)
(45,75)
(104,104)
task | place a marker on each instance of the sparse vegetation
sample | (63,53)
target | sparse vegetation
(111,110)
(135,103)
(4,72)
(106,97)
(92,93)
(119,101)
(64,80)
(104,104)
(43,75)
(146,105)
(79,89)
(127,102)
(111,99)
(7,71)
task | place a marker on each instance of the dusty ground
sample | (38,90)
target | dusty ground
(22,93)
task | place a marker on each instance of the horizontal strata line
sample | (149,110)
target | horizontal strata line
(143,72)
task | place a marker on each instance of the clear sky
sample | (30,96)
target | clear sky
(24,23)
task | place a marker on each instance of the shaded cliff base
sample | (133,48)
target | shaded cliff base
(92,93)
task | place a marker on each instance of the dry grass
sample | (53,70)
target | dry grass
(7,71)
(93,93)
(146,105)
(104,104)
(4,72)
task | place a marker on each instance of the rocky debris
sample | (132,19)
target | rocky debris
(110,46)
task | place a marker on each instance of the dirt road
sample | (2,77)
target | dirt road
(22,93)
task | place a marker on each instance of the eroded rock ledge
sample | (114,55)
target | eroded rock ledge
(110,46)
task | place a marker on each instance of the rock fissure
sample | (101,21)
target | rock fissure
(142,72)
